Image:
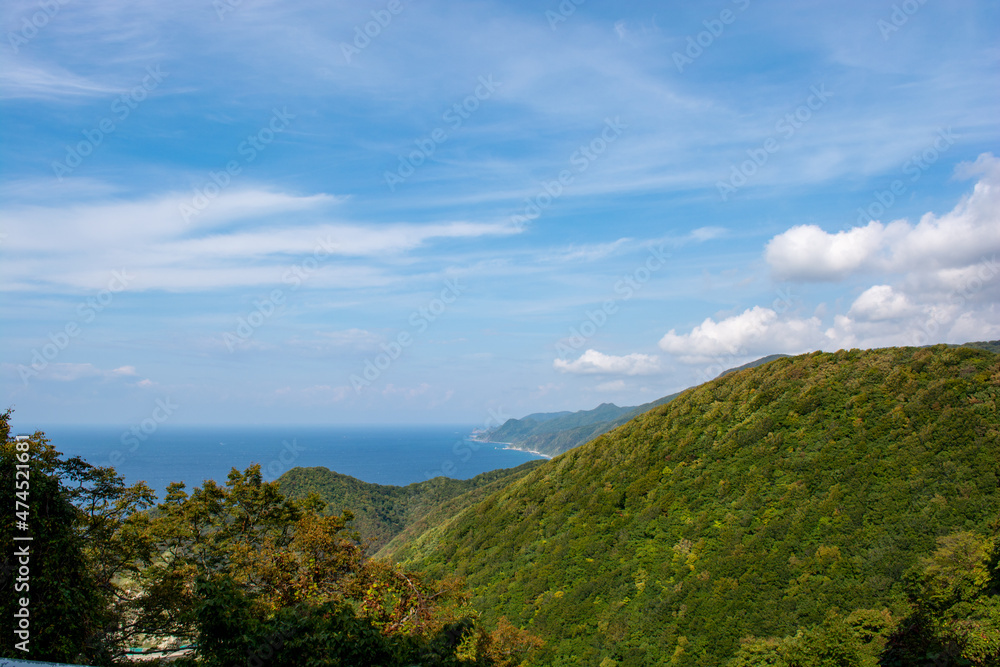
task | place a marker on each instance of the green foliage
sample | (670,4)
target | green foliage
(753,364)
(955,598)
(88,537)
(748,506)
(309,634)
(383,512)
(954,621)
(556,432)
(238,570)
(268,579)
(854,641)
(989,346)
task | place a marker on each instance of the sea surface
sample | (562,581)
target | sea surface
(395,455)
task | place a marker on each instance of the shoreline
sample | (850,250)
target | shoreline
(511,446)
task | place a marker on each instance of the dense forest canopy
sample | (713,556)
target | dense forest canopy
(753,505)
(381,512)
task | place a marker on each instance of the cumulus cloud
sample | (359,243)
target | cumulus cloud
(592,361)
(881,315)
(755,330)
(881,302)
(808,253)
(959,238)
(935,281)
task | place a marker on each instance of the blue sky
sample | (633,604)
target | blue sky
(397,212)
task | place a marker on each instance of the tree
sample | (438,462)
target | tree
(851,641)
(86,530)
(245,572)
(239,570)
(955,599)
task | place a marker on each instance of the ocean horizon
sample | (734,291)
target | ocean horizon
(391,455)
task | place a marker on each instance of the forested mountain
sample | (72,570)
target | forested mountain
(753,364)
(753,505)
(385,513)
(815,511)
(545,416)
(382,511)
(988,345)
(554,433)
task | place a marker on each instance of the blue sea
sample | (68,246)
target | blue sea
(395,455)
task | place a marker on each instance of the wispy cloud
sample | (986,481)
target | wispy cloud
(48,83)
(244,238)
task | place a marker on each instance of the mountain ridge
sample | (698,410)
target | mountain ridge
(560,434)
(382,511)
(765,498)
(552,433)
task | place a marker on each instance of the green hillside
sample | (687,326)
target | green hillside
(754,364)
(989,345)
(382,511)
(750,505)
(546,423)
(545,416)
(554,433)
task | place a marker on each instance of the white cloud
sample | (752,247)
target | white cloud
(70,372)
(882,315)
(359,339)
(83,243)
(593,361)
(707,233)
(754,331)
(959,238)
(881,302)
(587,253)
(38,82)
(806,252)
(937,279)
(975,326)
